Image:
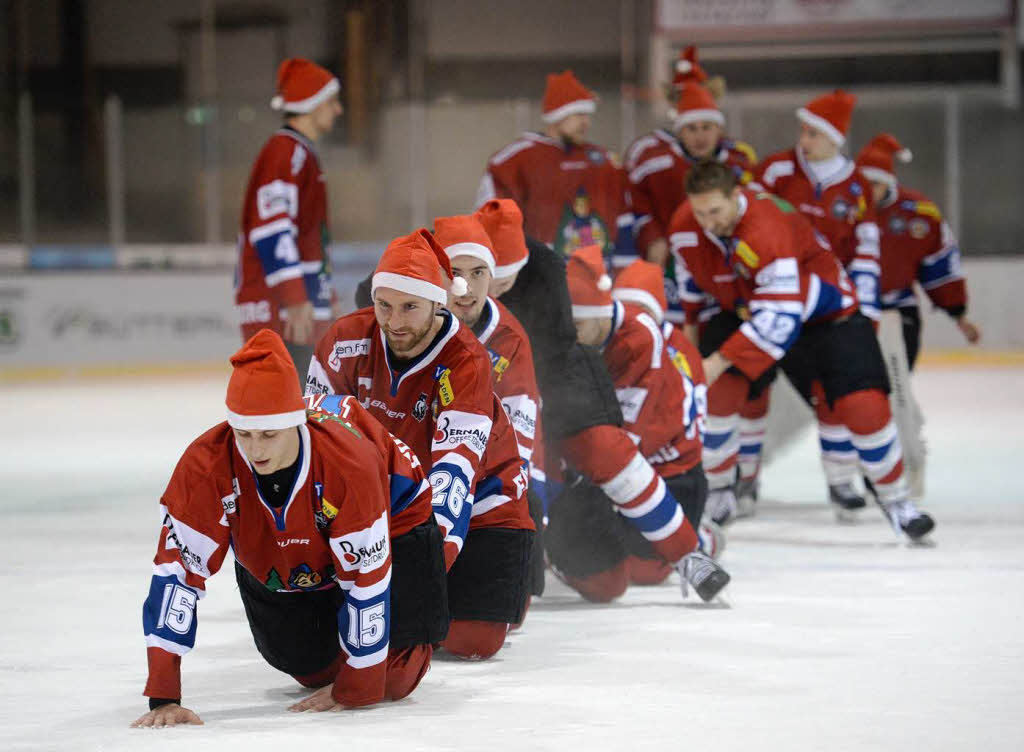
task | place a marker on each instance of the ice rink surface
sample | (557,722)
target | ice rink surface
(833,638)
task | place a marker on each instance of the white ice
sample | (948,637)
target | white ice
(834,637)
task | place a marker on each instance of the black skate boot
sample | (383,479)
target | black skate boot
(700,570)
(845,501)
(908,519)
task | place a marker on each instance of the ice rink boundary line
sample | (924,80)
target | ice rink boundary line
(123,371)
(113,372)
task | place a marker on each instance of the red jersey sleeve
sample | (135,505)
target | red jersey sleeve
(191,548)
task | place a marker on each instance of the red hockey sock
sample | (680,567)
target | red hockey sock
(475,640)
(406,667)
(323,677)
(647,571)
(603,587)
(869,418)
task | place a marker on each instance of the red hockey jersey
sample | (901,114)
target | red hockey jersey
(282,244)
(918,244)
(571,196)
(840,208)
(657,165)
(773,271)
(657,391)
(515,381)
(443,406)
(334,530)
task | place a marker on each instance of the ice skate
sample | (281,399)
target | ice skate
(701,571)
(908,519)
(721,505)
(845,501)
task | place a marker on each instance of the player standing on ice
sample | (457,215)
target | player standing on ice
(283,279)
(338,559)
(823,185)
(917,245)
(571,192)
(425,376)
(795,306)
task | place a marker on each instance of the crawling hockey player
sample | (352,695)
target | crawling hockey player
(795,307)
(468,246)
(425,376)
(658,417)
(338,559)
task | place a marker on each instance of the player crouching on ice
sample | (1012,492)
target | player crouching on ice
(796,307)
(664,506)
(339,561)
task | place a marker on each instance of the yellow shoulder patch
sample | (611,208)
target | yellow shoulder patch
(928,209)
(500,366)
(681,363)
(330,511)
(747,255)
(746,150)
(445,388)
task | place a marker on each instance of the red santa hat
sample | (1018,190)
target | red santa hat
(589,283)
(829,114)
(564,95)
(463,235)
(875,160)
(416,264)
(695,104)
(687,69)
(302,86)
(643,283)
(502,219)
(263,392)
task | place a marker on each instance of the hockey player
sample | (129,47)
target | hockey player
(338,559)
(917,245)
(640,287)
(659,419)
(283,279)
(581,414)
(468,247)
(823,185)
(428,380)
(570,191)
(657,163)
(797,309)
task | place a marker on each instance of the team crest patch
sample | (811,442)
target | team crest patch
(419,410)
(304,578)
(444,385)
(680,362)
(897,225)
(919,228)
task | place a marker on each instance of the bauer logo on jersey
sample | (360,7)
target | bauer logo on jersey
(444,387)
(419,410)
(364,550)
(456,428)
(348,348)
